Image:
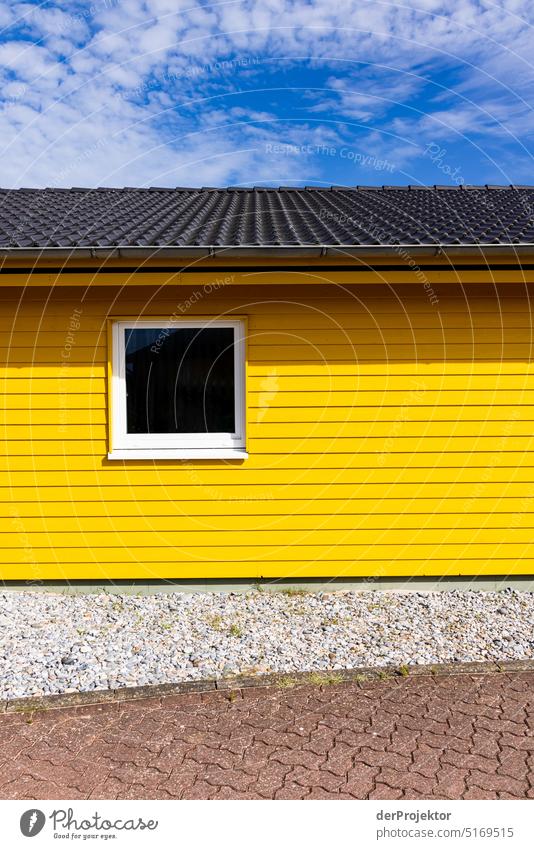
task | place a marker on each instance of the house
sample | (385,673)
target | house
(244,383)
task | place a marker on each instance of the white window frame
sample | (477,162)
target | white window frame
(175,445)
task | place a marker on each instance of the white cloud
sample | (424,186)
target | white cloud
(88,109)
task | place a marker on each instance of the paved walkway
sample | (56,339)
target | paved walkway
(448,737)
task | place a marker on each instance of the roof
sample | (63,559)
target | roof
(265,218)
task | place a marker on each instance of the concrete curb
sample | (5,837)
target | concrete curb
(361,676)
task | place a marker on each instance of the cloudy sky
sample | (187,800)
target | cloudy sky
(265,92)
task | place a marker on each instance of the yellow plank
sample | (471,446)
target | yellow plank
(288,492)
(325,300)
(384,368)
(11,420)
(386,337)
(266,410)
(268,317)
(386,430)
(96,570)
(61,430)
(55,400)
(365,398)
(325,346)
(497,523)
(263,504)
(61,443)
(27,356)
(67,439)
(58,339)
(412,368)
(357,382)
(73,461)
(306,352)
(277,280)
(298,553)
(98,307)
(58,370)
(50,320)
(91,423)
(342,335)
(265,382)
(238,541)
(398,319)
(434,444)
(393,413)
(349,406)
(226,475)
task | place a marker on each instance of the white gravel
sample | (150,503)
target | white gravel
(54,643)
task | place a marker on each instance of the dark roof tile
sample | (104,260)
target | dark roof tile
(263,217)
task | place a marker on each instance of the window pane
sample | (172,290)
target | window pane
(180,380)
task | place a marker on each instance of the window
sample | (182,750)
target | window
(178,389)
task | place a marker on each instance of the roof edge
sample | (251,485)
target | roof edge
(315,251)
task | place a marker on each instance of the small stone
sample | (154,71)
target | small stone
(124,645)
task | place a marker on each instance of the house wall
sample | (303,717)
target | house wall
(390,432)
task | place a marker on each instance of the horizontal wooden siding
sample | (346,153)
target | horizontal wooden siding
(389,434)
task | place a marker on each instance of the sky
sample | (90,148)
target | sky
(330,92)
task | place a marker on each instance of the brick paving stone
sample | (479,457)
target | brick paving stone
(512,762)
(320,793)
(410,793)
(382,791)
(256,756)
(318,778)
(431,741)
(403,741)
(360,739)
(321,740)
(440,737)
(407,781)
(450,782)
(271,778)
(485,744)
(479,793)
(200,790)
(177,783)
(487,765)
(236,779)
(339,759)
(290,790)
(496,782)
(361,780)
(372,757)
(516,741)
(229,793)
(463,727)
(426,760)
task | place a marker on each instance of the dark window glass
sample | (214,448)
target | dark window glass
(180,380)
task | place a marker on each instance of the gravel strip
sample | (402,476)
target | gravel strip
(53,643)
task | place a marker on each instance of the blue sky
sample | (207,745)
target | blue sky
(184,93)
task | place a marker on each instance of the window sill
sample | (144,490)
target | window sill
(178,454)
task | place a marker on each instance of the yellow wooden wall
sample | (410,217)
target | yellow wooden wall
(389,434)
